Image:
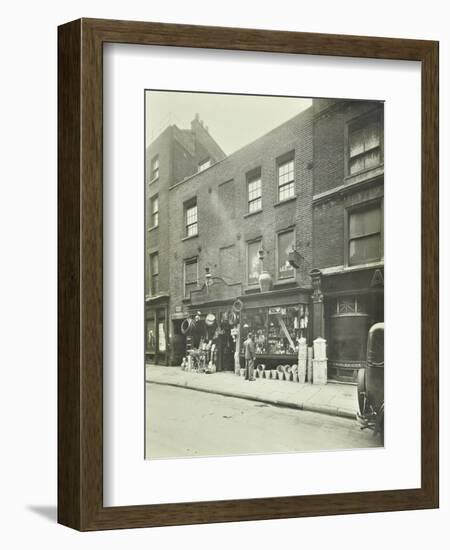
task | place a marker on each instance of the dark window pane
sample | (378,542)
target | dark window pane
(189,287)
(154,264)
(155,284)
(365,222)
(365,249)
(191,272)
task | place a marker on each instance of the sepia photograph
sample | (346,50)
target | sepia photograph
(264,274)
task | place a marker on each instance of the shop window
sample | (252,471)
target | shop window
(154,211)
(276,329)
(191,218)
(204,165)
(162,342)
(286,181)
(154,168)
(154,274)
(253,262)
(351,304)
(364,230)
(285,244)
(254,192)
(190,276)
(255,321)
(151,335)
(365,144)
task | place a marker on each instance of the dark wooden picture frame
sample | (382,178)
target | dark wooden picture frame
(80,273)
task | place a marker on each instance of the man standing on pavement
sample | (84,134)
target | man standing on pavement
(249,354)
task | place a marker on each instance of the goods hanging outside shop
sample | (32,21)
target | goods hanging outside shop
(209,342)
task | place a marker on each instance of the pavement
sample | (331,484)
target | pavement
(334,399)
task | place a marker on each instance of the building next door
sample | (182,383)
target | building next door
(350,317)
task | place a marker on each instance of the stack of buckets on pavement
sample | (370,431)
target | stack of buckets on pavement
(311,367)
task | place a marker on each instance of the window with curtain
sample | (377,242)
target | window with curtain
(364,231)
(364,144)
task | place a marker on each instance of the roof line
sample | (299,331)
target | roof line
(240,149)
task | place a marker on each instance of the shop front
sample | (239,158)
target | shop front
(210,336)
(353,302)
(207,324)
(217,320)
(277,319)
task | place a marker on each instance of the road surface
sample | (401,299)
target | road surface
(184,423)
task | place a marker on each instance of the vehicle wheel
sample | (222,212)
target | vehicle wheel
(361,390)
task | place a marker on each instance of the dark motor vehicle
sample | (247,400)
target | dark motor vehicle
(371,384)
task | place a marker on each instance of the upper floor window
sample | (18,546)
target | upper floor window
(190,275)
(154,211)
(285,244)
(364,234)
(154,274)
(286,181)
(254,192)
(191,218)
(253,262)
(365,144)
(204,165)
(154,168)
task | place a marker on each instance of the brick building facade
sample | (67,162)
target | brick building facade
(174,155)
(257,199)
(289,228)
(348,257)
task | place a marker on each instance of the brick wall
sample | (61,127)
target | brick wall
(179,152)
(157,238)
(224,225)
(331,119)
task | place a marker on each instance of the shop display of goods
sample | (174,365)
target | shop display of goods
(238,306)
(210,319)
(279,372)
(260,370)
(294,373)
(287,372)
(232,318)
(187,326)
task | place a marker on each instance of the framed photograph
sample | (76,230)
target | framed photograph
(248,274)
